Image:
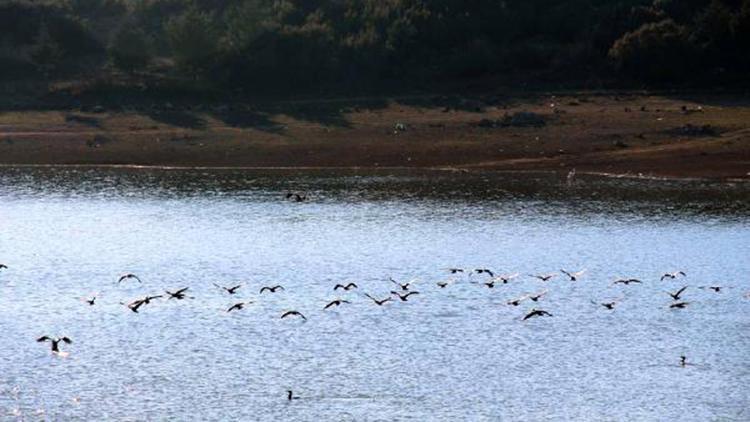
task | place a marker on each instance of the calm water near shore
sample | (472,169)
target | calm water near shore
(459,353)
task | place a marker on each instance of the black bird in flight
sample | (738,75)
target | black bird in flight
(672,275)
(55,342)
(91,301)
(3,267)
(292,313)
(378,302)
(716,289)
(136,304)
(271,289)
(238,306)
(516,302)
(544,277)
(455,270)
(573,276)
(231,290)
(676,295)
(609,305)
(506,278)
(442,284)
(537,296)
(404,287)
(179,294)
(405,297)
(129,277)
(290,396)
(336,302)
(536,312)
(626,281)
(347,287)
(679,305)
(484,271)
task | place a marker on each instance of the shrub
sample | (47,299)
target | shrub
(130,49)
(654,52)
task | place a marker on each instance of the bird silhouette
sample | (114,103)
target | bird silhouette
(290,396)
(231,290)
(455,270)
(55,342)
(3,267)
(347,287)
(484,271)
(573,276)
(336,302)
(403,287)
(672,275)
(379,302)
(536,313)
(627,281)
(129,276)
(238,306)
(679,305)
(293,313)
(179,294)
(544,277)
(405,297)
(271,289)
(676,295)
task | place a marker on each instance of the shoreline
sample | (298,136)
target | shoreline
(634,136)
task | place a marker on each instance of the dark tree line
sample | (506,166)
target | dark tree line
(301,44)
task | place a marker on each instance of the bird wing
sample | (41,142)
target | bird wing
(263,289)
(338,286)
(122,278)
(67,340)
(567,273)
(352,285)
(43,338)
(681,290)
(183,290)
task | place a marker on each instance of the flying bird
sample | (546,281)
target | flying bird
(3,267)
(129,277)
(716,289)
(676,295)
(536,312)
(336,302)
(290,396)
(537,296)
(506,278)
(672,275)
(238,306)
(455,270)
(179,294)
(627,281)
(231,290)
(679,305)
(405,297)
(271,289)
(347,287)
(91,301)
(404,287)
(378,302)
(544,277)
(55,342)
(292,313)
(484,271)
(573,276)
(516,302)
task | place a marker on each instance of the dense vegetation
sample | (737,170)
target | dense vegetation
(285,45)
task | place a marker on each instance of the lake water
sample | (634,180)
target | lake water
(459,353)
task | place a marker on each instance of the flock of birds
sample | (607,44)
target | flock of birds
(402,291)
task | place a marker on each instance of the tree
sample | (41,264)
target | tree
(656,52)
(194,39)
(46,53)
(130,49)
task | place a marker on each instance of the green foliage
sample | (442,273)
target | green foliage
(194,38)
(654,52)
(130,49)
(46,53)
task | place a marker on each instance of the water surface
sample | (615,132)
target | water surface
(459,353)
